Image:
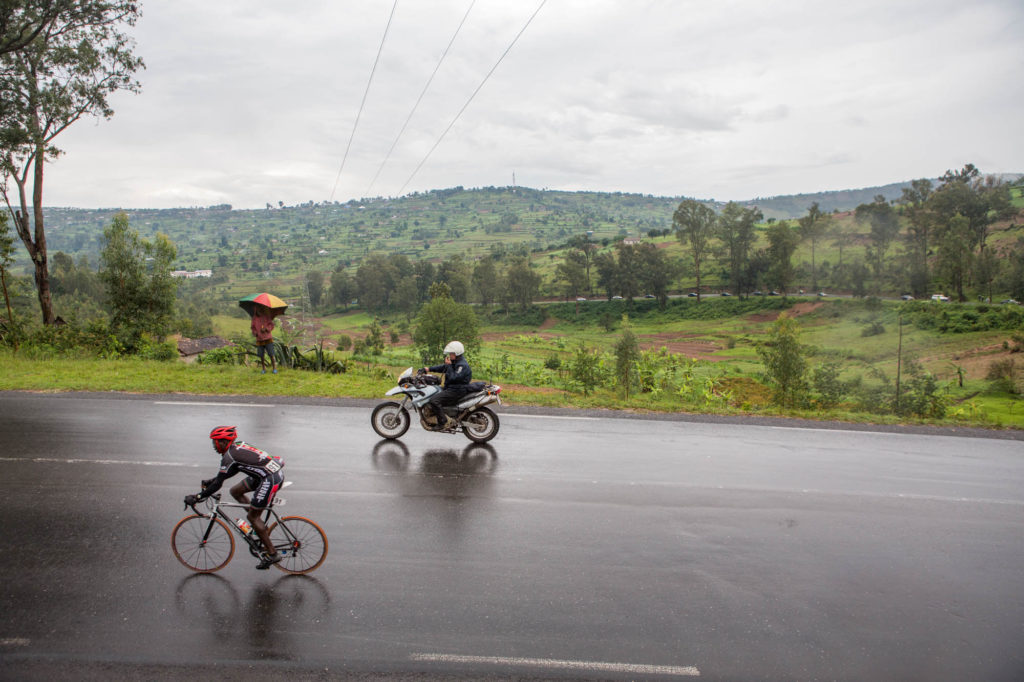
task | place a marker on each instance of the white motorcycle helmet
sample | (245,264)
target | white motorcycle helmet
(454,347)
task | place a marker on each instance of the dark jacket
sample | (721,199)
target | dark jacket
(457,374)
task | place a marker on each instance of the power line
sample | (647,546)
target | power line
(363,103)
(419,99)
(464,106)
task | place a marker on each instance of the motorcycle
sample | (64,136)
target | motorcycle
(470,416)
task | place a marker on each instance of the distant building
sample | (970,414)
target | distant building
(631,241)
(191,274)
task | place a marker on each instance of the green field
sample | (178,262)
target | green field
(711,347)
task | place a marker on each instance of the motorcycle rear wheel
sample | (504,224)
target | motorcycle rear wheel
(390,420)
(481,425)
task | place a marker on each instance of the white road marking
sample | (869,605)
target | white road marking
(188,403)
(97,461)
(629,668)
(15,641)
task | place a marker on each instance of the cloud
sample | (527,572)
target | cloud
(248,104)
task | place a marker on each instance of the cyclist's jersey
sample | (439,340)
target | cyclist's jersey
(244,458)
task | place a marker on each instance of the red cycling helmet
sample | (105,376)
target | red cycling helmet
(223,433)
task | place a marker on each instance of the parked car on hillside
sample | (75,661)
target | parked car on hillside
(1010,301)
(907,297)
(940,297)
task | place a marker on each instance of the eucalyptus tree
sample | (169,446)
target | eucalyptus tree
(486,280)
(881,217)
(694,224)
(21,21)
(66,72)
(920,221)
(812,227)
(523,283)
(782,243)
(656,271)
(736,233)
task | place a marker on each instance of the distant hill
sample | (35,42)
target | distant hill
(283,241)
(796,205)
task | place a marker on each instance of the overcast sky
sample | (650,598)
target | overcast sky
(247,102)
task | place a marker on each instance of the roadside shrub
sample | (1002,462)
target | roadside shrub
(873,329)
(584,369)
(921,396)
(149,348)
(553,362)
(785,362)
(1002,375)
(229,355)
(344,342)
(826,384)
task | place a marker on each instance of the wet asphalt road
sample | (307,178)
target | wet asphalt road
(572,547)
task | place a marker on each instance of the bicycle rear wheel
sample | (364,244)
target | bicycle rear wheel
(302,542)
(203,544)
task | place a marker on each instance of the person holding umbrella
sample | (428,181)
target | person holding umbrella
(262,326)
(264,308)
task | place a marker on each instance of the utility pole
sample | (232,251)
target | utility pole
(899,359)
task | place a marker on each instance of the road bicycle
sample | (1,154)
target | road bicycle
(205,541)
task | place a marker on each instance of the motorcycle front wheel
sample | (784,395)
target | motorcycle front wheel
(481,425)
(390,420)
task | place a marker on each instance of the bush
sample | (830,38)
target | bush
(344,342)
(873,329)
(826,383)
(151,349)
(1003,376)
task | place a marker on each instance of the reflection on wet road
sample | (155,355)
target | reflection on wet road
(613,548)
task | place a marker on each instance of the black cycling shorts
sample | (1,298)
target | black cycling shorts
(264,489)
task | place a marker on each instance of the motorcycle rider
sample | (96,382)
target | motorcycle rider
(457,376)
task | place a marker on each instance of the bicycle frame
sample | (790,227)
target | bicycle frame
(213,502)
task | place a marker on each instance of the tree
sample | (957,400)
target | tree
(587,250)
(694,224)
(954,260)
(735,231)
(627,354)
(585,368)
(315,287)
(6,261)
(782,243)
(784,362)
(486,280)
(454,272)
(573,273)
(656,272)
(920,219)
(630,270)
(523,283)
(67,72)
(21,21)
(884,224)
(137,275)
(341,288)
(442,320)
(811,228)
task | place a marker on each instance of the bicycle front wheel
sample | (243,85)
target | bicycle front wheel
(302,542)
(202,543)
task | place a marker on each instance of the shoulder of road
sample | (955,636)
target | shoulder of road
(565,412)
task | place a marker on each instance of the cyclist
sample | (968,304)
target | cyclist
(263,480)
